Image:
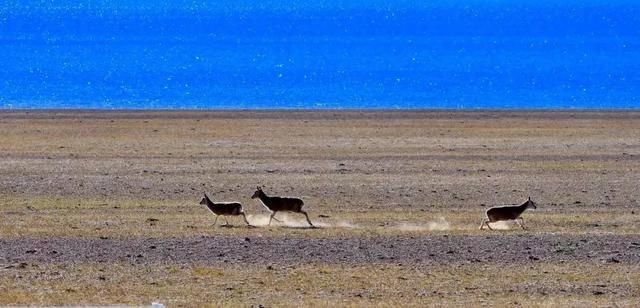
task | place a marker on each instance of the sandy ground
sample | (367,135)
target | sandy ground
(85,190)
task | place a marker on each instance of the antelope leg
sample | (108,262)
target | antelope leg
(488,225)
(215,220)
(484,222)
(271,217)
(520,221)
(226,222)
(307,216)
(245,219)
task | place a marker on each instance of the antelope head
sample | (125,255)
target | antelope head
(204,200)
(258,193)
(531,204)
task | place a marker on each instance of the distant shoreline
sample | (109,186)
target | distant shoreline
(320,114)
(447,110)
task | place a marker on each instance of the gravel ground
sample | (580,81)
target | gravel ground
(426,250)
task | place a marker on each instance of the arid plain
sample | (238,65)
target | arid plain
(102,208)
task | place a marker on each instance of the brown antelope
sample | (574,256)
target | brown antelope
(280,204)
(507,212)
(224,209)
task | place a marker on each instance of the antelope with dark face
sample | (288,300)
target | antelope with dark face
(507,212)
(280,204)
(224,209)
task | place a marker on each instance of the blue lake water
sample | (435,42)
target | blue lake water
(319,54)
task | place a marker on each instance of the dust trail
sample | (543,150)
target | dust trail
(346,224)
(501,225)
(410,227)
(295,221)
(260,220)
(440,224)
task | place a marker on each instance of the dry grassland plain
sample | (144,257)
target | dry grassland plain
(102,208)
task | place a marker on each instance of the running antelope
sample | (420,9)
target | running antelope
(280,204)
(224,209)
(507,212)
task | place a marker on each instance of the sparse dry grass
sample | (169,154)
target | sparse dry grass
(140,218)
(546,285)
